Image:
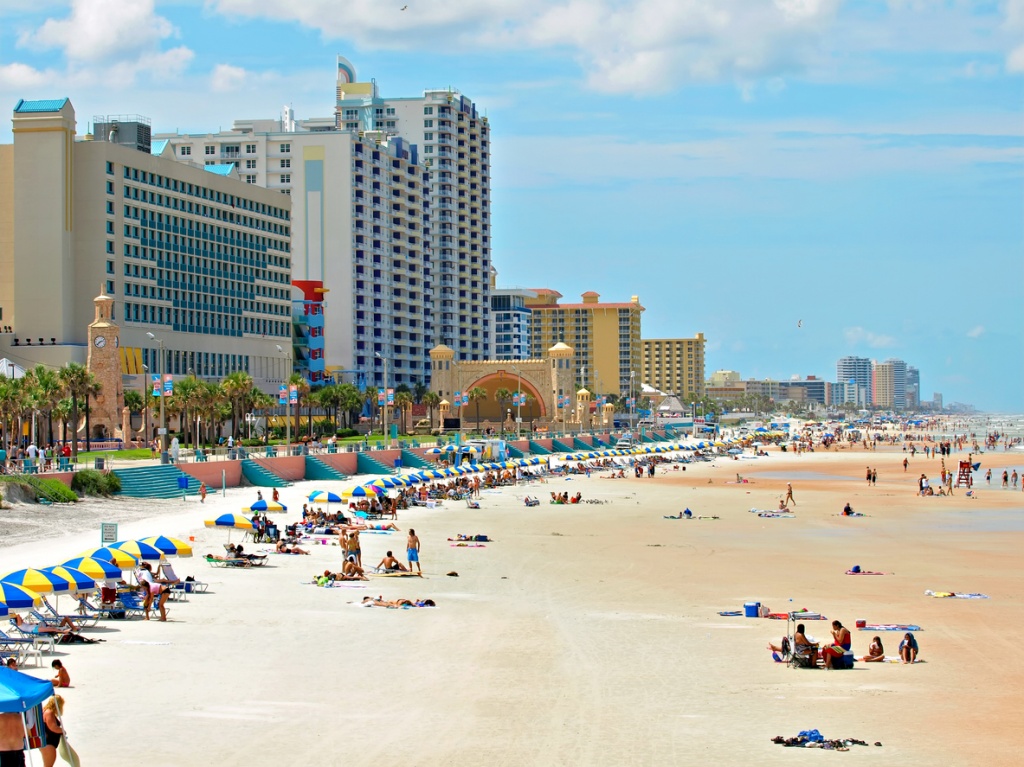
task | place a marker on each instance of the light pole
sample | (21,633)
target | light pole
(519,399)
(632,399)
(163,415)
(145,401)
(287,404)
(384,409)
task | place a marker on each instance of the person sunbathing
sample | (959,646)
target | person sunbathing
(62,635)
(397,603)
(329,577)
(283,548)
(876,653)
(231,558)
(350,567)
(391,565)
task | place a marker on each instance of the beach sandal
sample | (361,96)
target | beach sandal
(453,574)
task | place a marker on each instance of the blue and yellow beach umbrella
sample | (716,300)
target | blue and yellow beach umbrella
(143,552)
(16,597)
(265,505)
(39,581)
(78,581)
(171,547)
(233,521)
(118,558)
(100,569)
(322,496)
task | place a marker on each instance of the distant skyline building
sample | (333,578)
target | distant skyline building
(605,338)
(913,387)
(192,255)
(859,371)
(899,383)
(815,389)
(675,365)
(512,322)
(723,378)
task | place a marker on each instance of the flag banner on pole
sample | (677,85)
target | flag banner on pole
(156,386)
(168,385)
(380,398)
(391,396)
(282,395)
(293,394)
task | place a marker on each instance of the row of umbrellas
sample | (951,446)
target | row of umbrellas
(23,589)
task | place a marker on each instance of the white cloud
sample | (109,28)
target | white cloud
(858,336)
(19,76)
(643,46)
(976,331)
(226,78)
(1015,61)
(124,38)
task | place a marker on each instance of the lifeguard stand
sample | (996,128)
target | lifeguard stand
(964,477)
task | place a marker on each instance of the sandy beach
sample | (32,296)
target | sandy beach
(582,635)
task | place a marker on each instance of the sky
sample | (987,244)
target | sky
(799,180)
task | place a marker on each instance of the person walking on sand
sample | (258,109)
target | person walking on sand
(867,475)
(202,492)
(789,495)
(874,477)
(412,551)
(906,463)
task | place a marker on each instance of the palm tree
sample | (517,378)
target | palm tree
(92,388)
(237,387)
(350,401)
(186,395)
(302,387)
(63,412)
(476,395)
(74,379)
(134,402)
(370,395)
(403,401)
(502,395)
(419,391)
(431,399)
(47,393)
(8,395)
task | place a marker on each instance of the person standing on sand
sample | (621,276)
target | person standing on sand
(906,463)
(412,551)
(202,492)
(867,474)
(874,477)
(12,734)
(789,495)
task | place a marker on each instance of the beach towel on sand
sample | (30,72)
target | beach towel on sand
(730,613)
(890,627)
(864,572)
(953,595)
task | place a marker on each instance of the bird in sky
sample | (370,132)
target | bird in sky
(799,323)
(404,8)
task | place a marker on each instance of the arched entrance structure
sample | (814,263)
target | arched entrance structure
(542,381)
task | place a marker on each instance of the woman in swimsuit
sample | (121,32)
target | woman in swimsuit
(876,653)
(841,642)
(53,730)
(908,648)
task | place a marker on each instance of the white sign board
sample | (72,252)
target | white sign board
(108,532)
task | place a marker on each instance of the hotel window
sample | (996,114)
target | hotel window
(211,150)
(351,126)
(286,163)
(286,148)
(250,164)
(250,179)
(428,110)
(428,149)
(186,151)
(428,123)
(390,111)
(250,149)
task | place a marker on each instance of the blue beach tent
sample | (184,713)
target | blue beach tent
(20,692)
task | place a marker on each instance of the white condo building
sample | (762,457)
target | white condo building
(391,204)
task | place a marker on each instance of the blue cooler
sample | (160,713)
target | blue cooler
(751,609)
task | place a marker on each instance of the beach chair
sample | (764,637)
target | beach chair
(472,504)
(130,602)
(47,620)
(79,619)
(29,639)
(227,562)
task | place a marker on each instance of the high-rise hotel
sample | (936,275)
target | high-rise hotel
(197,259)
(391,199)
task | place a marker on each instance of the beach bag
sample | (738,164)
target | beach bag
(855,569)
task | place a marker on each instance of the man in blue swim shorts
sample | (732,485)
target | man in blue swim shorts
(412,550)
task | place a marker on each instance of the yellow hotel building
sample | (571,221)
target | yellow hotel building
(605,338)
(675,365)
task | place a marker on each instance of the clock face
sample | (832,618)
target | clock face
(100,342)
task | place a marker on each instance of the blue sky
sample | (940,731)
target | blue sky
(741,165)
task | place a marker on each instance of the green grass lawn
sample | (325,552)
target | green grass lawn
(135,454)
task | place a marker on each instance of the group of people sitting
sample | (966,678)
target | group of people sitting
(827,657)
(561,498)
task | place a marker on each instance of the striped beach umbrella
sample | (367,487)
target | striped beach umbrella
(232,521)
(385,482)
(116,557)
(364,491)
(143,552)
(16,597)
(265,506)
(77,580)
(434,451)
(322,496)
(100,569)
(39,581)
(171,547)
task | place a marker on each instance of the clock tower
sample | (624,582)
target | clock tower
(104,362)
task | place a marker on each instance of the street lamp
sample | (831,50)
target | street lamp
(163,417)
(519,399)
(384,409)
(145,401)
(287,406)
(632,399)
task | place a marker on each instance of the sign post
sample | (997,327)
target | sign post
(108,532)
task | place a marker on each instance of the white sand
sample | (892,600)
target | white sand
(584,635)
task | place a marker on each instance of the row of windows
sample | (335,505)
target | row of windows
(202,192)
(203,364)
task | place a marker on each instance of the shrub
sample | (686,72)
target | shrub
(251,442)
(92,482)
(56,491)
(346,433)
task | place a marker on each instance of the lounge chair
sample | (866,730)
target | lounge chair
(30,638)
(46,620)
(227,561)
(804,656)
(79,619)
(131,603)
(472,504)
